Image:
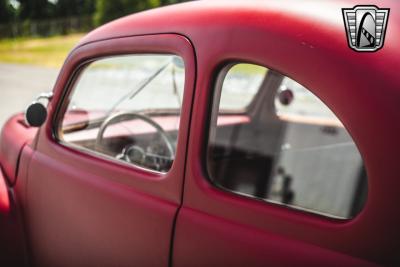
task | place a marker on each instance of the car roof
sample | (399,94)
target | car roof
(207,16)
(315,24)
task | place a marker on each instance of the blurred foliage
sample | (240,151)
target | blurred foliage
(6,11)
(43,17)
(26,25)
(109,10)
(68,8)
(34,9)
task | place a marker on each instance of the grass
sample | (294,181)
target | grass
(52,51)
(41,51)
(247,69)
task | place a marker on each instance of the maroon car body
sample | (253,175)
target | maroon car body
(63,207)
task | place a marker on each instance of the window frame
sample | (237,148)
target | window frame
(63,104)
(216,84)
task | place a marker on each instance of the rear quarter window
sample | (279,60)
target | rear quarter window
(287,147)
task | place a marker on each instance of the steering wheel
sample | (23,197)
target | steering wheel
(128,115)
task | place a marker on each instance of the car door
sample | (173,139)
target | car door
(273,179)
(90,206)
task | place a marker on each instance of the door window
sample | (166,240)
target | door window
(127,108)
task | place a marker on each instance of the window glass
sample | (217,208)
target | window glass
(240,86)
(287,148)
(306,105)
(127,108)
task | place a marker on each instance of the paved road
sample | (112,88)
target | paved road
(20,84)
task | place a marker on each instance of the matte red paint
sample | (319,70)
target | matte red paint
(362,89)
(13,137)
(4,198)
(83,210)
(12,250)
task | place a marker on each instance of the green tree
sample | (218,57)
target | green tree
(109,10)
(35,9)
(170,2)
(68,8)
(6,11)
